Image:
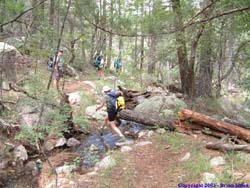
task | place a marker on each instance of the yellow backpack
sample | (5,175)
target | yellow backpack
(120,103)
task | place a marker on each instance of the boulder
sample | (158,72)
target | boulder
(72,142)
(217,161)
(11,60)
(20,153)
(74,98)
(157,104)
(49,145)
(66,169)
(60,142)
(31,168)
(106,162)
(28,114)
(91,112)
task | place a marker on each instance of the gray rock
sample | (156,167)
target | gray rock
(209,178)
(158,104)
(29,114)
(91,112)
(142,134)
(66,169)
(93,147)
(107,162)
(150,133)
(4,163)
(61,142)
(49,145)
(20,153)
(186,157)
(140,99)
(160,131)
(72,142)
(31,168)
(168,114)
(74,98)
(144,143)
(125,149)
(217,161)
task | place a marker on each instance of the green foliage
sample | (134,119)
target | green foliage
(29,134)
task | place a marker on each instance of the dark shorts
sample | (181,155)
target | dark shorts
(112,115)
(57,75)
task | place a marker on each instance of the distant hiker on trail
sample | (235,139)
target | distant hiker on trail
(110,98)
(99,63)
(58,68)
(118,65)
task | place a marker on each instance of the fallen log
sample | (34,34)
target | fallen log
(225,147)
(214,124)
(146,119)
(131,97)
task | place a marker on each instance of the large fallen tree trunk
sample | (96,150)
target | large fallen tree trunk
(214,124)
(146,119)
(225,147)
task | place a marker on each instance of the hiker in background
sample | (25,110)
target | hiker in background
(109,97)
(58,68)
(99,63)
(118,65)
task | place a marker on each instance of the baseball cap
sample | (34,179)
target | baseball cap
(105,89)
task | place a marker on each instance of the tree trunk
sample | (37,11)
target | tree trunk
(146,119)
(110,35)
(204,80)
(51,18)
(186,72)
(214,124)
(152,59)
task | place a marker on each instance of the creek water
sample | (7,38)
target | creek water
(98,143)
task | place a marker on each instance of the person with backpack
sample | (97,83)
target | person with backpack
(114,105)
(57,68)
(99,63)
(118,65)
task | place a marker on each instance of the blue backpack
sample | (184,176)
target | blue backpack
(98,61)
(51,63)
(118,64)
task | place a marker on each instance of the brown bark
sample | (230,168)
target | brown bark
(146,119)
(214,124)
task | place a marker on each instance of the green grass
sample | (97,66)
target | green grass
(174,140)
(196,166)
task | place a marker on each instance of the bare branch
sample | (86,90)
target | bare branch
(217,16)
(191,22)
(200,12)
(23,13)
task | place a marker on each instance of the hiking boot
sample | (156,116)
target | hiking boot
(124,141)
